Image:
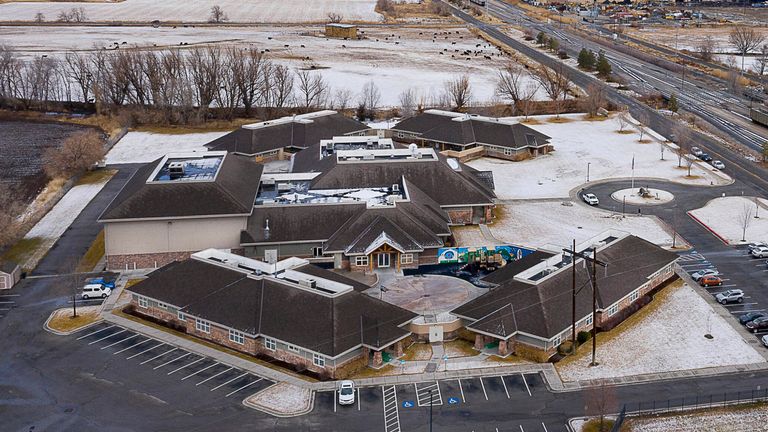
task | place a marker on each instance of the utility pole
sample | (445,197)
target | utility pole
(430,410)
(593,279)
(573,300)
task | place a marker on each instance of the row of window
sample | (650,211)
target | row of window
(271,344)
(362,261)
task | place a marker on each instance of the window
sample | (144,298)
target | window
(270,344)
(162,305)
(203,326)
(361,260)
(317,252)
(634,295)
(236,337)
(143,302)
(318,360)
(182,316)
(406,258)
(558,340)
(507,152)
(294,348)
(588,321)
(613,309)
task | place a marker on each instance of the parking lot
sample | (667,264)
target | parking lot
(7,302)
(197,373)
(405,407)
(738,270)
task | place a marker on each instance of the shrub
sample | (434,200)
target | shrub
(583,336)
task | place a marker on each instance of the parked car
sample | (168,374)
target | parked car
(696,151)
(751,316)
(95,291)
(707,272)
(759,252)
(765,340)
(101,281)
(755,245)
(758,324)
(710,280)
(718,164)
(705,157)
(346,392)
(590,199)
(730,296)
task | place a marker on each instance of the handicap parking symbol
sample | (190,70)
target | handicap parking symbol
(407,404)
(453,400)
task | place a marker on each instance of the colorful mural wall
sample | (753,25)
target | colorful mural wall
(463,255)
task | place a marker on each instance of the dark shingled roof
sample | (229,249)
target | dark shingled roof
(268,307)
(7,266)
(232,192)
(286,134)
(435,178)
(517,266)
(442,128)
(297,222)
(544,309)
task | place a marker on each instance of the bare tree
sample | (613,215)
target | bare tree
(334,17)
(510,84)
(745,39)
(622,119)
(643,119)
(204,72)
(689,160)
(595,98)
(662,147)
(12,207)
(217,15)
(342,98)
(78,69)
(312,90)
(762,63)
(281,86)
(39,17)
(706,48)
(228,96)
(527,98)
(369,99)
(458,91)
(77,153)
(599,402)
(555,83)
(745,219)
(408,102)
(681,138)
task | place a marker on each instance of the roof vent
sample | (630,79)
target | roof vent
(454,164)
(309,283)
(395,187)
(176,170)
(369,156)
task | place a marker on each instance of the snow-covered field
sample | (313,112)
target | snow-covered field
(577,144)
(540,223)
(726,419)
(142,147)
(725,216)
(283,398)
(396,59)
(670,338)
(251,11)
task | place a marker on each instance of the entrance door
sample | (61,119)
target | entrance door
(383,260)
(435,334)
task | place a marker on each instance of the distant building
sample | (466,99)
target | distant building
(10,274)
(341,31)
(278,139)
(529,312)
(457,132)
(290,311)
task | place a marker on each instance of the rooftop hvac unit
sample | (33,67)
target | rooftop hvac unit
(391,199)
(284,187)
(395,187)
(309,283)
(369,156)
(268,181)
(176,169)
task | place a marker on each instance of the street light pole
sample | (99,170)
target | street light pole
(588,163)
(624,205)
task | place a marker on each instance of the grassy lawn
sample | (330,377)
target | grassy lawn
(92,255)
(96,176)
(22,250)
(211,345)
(460,348)
(63,320)
(512,359)
(417,351)
(594,426)
(603,337)
(373,373)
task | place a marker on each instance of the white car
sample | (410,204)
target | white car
(760,252)
(590,199)
(346,392)
(765,340)
(696,151)
(95,291)
(755,245)
(718,164)
(701,273)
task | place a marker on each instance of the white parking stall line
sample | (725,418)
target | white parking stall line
(10,295)
(214,376)
(747,311)
(233,379)
(244,387)
(105,337)
(171,361)
(97,331)
(7,302)
(461,390)
(544,427)
(186,365)
(521,428)
(426,394)
(483,387)
(5,309)
(505,386)
(739,304)
(158,356)
(526,388)
(335,401)
(146,350)
(132,346)
(201,370)
(121,340)
(391,410)
(358,398)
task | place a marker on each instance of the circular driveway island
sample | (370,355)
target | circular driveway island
(653,196)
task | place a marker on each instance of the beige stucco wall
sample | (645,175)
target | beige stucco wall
(142,237)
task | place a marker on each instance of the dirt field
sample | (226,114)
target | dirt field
(22,144)
(396,58)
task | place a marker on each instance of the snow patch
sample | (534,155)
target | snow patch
(143,147)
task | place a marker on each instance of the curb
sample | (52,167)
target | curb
(726,242)
(278,413)
(48,328)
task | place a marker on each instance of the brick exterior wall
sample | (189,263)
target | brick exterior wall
(154,260)
(460,215)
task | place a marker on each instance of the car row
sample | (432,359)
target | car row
(707,158)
